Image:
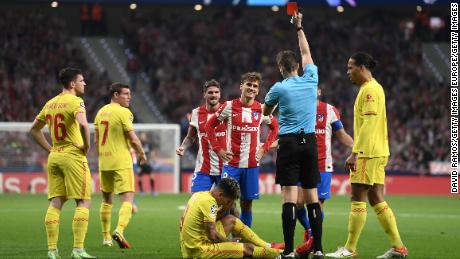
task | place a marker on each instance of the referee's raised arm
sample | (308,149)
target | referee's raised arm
(303,43)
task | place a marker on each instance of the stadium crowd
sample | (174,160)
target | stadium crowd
(178,57)
(224,43)
(34,47)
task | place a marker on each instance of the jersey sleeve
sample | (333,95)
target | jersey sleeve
(209,210)
(336,123)
(42,115)
(310,72)
(272,97)
(370,102)
(194,118)
(224,111)
(78,106)
(127,121)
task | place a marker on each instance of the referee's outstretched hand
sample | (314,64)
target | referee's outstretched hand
(297,19)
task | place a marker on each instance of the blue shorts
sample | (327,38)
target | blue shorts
(324,187)
(248,178)
(202,182)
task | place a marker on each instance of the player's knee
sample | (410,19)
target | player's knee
(248,249)
(83,203)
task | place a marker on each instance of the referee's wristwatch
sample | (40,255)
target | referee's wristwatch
(299,28)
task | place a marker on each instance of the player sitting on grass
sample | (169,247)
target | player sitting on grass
(203,234)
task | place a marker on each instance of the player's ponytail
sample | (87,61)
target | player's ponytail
(364,59)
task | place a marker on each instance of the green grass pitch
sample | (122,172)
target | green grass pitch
(429,226)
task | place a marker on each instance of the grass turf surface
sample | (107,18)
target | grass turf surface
(429,226)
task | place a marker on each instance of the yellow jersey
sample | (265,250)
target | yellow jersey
(370,122)
(59,114)
(201,208)
(112,123)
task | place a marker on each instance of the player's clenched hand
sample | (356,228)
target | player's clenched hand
(180,151)
(142,159)
(350,163)
(297,19)
(225,155)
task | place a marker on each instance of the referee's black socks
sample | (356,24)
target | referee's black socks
(316,223)
(289,219)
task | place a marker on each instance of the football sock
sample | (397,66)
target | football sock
(124,216)
(265,252)
(316,220)
(152,185)
(80,226)
(289,219)
(246,217)
(388,222)
(52,226)
(106,217)
(302,217)
(356,222)
(243,231)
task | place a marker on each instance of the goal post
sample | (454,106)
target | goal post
(23,162)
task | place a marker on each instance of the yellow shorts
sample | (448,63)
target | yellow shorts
(117,181)
(68,177)
(217,250)
(369,171)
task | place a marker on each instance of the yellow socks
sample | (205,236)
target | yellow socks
(124,216)
(106,217)
(388,222)
(356,222)
(80,226)
(264,252)
(52,226)
(240,229)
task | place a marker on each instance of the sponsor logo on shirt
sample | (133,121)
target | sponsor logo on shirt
(320,131)
(245,128)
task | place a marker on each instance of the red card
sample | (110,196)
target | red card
(292,8)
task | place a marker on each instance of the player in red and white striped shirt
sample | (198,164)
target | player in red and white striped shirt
(208,166)
(327,123)
(241,152)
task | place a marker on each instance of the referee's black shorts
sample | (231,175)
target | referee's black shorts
(297,161)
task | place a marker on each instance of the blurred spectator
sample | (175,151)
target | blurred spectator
(133,67)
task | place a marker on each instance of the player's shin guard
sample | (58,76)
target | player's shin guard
(246,217)
(388,222)
(356,222)
(52,226)
(105,213)
(316,222)
(80,226)
(302,217)
(240,229)
(289,220)
(124,216)
(265,252)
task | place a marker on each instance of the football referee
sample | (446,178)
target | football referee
(297,160)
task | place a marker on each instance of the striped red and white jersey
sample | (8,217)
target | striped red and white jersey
(207,160)
(327,121)
(243,131)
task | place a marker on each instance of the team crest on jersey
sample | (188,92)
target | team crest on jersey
(319,117)
(256,115)
(213,210)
